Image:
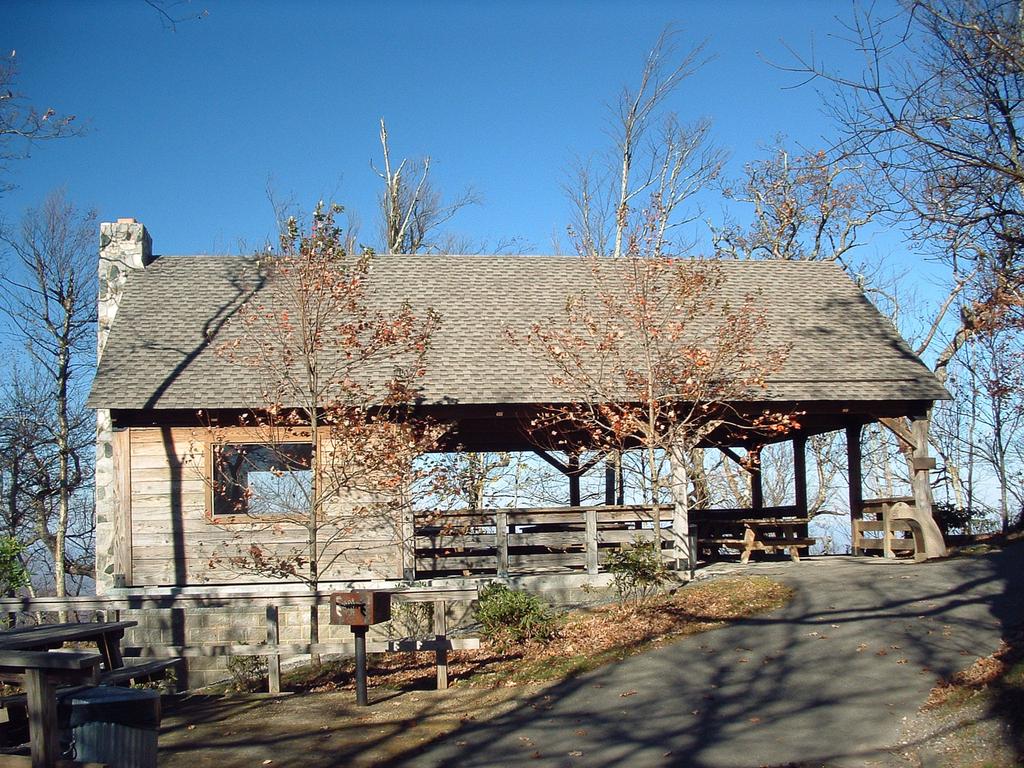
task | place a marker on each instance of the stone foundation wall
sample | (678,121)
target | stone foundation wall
(248,626)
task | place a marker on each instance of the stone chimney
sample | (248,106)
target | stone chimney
(125,247)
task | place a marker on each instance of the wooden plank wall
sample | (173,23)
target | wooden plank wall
(174,541)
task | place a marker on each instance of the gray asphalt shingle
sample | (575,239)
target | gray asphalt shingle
(162,349)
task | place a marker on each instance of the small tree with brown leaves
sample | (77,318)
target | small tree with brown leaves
(335,440)
(649,356)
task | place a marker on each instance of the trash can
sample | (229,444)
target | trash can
(116,726)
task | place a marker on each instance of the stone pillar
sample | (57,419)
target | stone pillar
(125,247)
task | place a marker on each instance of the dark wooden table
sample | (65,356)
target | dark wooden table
(45,637)
(39,673)
(28,657)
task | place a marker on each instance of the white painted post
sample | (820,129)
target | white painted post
(680,509)
(274,660)
(441,635)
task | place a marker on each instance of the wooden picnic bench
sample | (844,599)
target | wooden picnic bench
(771,535)
(40,673)
(106,635)
(34,658)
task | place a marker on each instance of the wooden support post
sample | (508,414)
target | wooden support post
(574,479)
(591,539)
(109,647)
(620,480)
(43,730)
(922,465)
(853,465)
(441,635)
(609,482)
(501,541)
(800,478)
(681,551)
(756,486)
(274,660)
(800,474)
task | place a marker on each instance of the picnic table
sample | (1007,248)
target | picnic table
(39,673)
(34,657)
(767,534)
(107,636)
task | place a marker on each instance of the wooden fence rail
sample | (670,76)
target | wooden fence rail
(110,606)
(520,541)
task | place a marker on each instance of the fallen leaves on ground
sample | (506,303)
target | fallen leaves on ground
(585,640)
(982,674)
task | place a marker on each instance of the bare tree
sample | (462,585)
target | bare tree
(656,165)
(30,480)
(412,209)
(805,206)
(22,124)
(935,111)
(988,425)
(175,12)
(48,294)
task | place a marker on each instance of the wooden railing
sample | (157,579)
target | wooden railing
(475,542)
(520,541)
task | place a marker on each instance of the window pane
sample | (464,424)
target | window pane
(262,480)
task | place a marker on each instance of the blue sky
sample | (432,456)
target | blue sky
(186,128)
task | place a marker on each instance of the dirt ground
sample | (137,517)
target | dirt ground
(253,730)
(325,727)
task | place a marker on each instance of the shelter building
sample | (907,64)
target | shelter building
(160,384)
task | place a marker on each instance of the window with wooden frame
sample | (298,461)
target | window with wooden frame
(260,481)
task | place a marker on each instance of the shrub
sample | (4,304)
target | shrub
(409,620)
(637,571)
(248,673)
(512,616)
(951,518)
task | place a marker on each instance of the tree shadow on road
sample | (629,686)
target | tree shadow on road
(825,679)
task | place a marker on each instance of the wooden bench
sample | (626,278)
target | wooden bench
(142,671)
(882,516)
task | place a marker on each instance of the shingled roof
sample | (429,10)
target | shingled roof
(162,349)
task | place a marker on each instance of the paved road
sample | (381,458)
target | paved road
(827,679)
